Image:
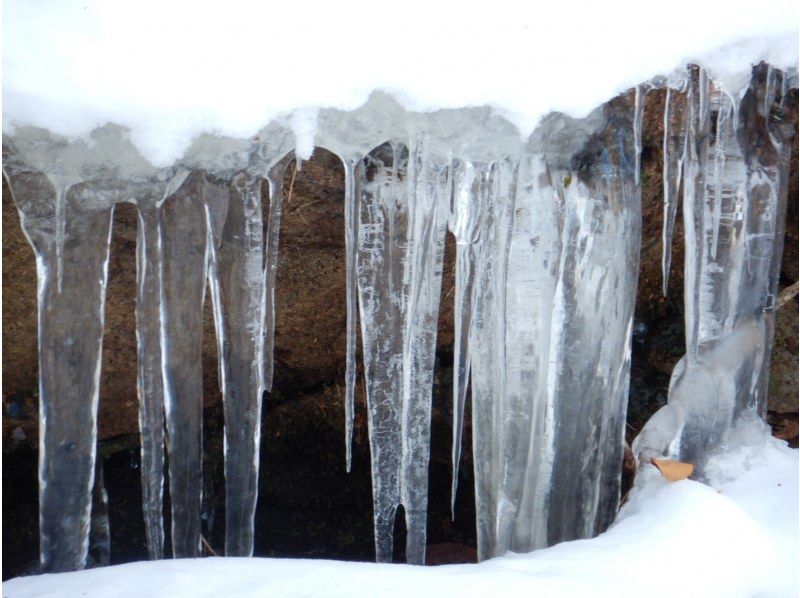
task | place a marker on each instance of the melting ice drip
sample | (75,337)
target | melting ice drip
(548,236)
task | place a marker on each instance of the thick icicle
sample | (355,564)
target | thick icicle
(675,121)
(590,346)
(549,343)
(70,347)
(734,205)
(400,253)
(149,377)
(237,282)
(183,281)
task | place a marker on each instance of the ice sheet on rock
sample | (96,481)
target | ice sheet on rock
(734,208)
(400,252)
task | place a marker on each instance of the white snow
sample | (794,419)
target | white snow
(737,535)
(171,70)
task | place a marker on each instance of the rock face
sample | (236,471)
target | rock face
(308,505)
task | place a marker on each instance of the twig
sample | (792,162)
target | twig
(305,205)
(207,545)
(787,295)
(291,184)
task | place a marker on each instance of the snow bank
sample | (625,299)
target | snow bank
(737,535)
(171,70)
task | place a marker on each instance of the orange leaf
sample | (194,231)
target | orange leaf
(673,470)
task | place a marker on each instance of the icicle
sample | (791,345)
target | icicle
(638,115)
(769,90)
(237,282)
(351,215)
(529,434)
(487,354)
(70,324)
(400,253)
(275,184)
(465,223)
(183,282)
(591,335)
(675,122)
(694,184)
(427,185)
(149,377)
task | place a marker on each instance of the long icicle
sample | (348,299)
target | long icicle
(150,384)
(237,289)
(351,218)
(275,186)
(184,263)
(674,151)
(465,222)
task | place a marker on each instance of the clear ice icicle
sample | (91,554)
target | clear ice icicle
(183,239)
(150,385)
(237,282)
(464,224)
(549,343)
(675,121)
(400,253)
(275,186)
(70,323)
(638,116)
(352,174)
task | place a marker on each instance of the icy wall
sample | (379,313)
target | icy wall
(548,235)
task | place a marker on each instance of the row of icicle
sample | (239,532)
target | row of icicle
(547,249)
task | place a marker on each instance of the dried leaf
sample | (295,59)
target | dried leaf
(673,470)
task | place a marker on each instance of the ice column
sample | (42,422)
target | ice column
(735,173)
(400,252)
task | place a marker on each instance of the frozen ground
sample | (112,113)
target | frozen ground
(737,535)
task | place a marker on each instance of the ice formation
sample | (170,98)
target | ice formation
(547,230)
(733,152)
